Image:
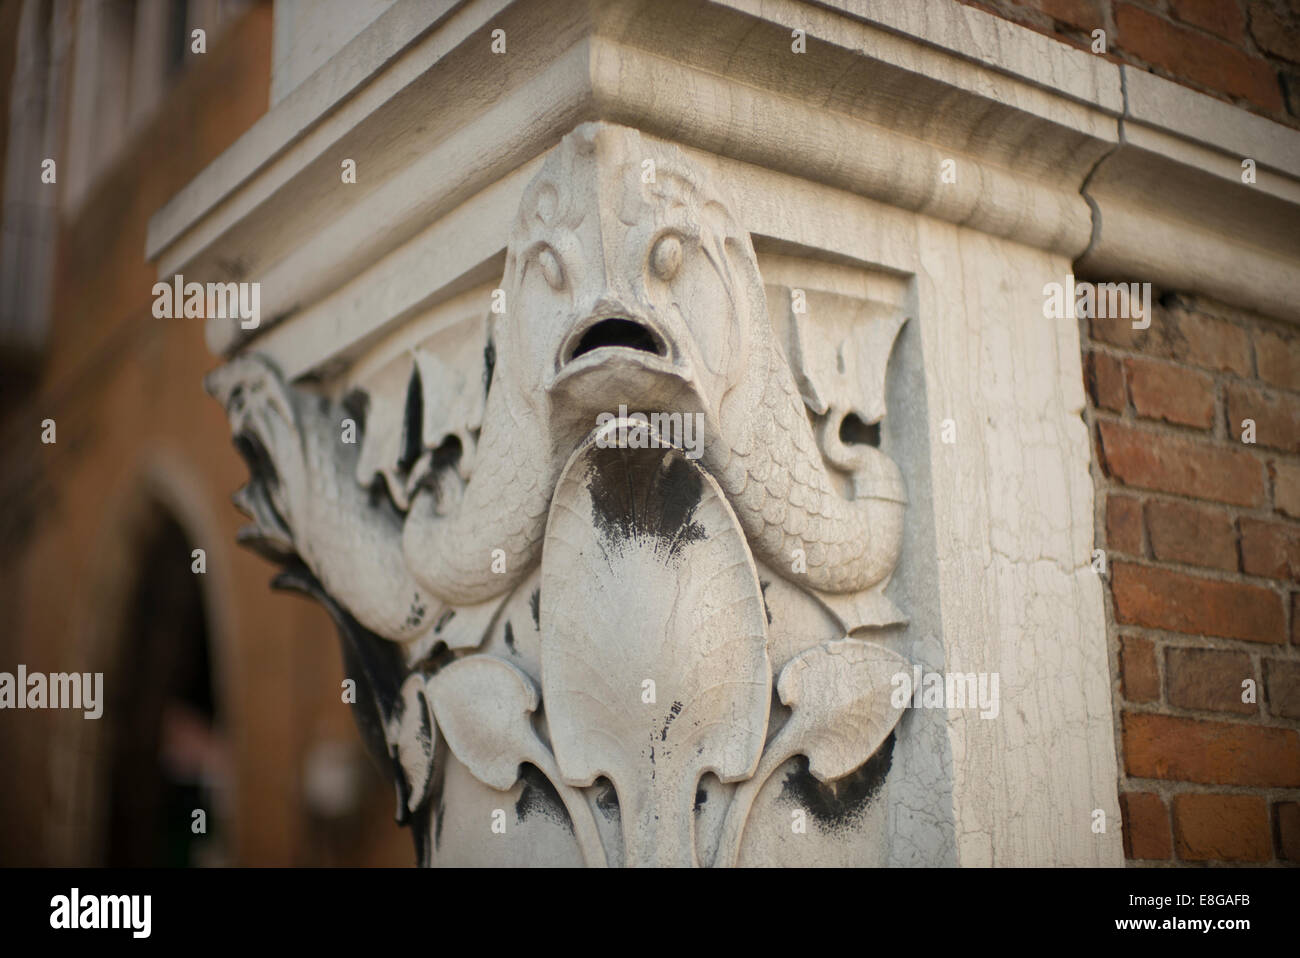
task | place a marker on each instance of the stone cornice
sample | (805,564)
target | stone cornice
(1171,206)
(1128,175)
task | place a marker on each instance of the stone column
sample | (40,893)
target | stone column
(663,401)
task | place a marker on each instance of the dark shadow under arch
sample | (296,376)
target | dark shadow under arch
(167,751)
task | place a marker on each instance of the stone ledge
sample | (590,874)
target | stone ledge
(1028,121)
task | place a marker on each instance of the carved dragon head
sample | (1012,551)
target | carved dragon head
(627,280)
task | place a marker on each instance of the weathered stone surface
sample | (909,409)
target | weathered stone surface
(930,501)
(650,667)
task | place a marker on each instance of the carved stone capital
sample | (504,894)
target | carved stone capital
(596,552)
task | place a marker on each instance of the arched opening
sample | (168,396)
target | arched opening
(169,762)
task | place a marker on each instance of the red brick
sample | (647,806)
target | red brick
(1286,487)
(1282,683)
(1084,14)
(1168,392)
(1295,618)
(1106,382)
(1278,358)
(1290,78)
(1196,535)
(1124,524)
(1137,668)
(1208,679)
(1178,333)
(1193,56)
(1270,549)
(1146,826)
(1161,599)
(1287,817)
(1221,17)
(1276,416)
(1185,467)
(1273,32)
(1018,11)
(1213,753)
(1231,828)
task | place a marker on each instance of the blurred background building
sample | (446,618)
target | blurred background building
(222,695)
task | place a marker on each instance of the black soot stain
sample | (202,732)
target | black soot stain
(535,606)
(647,494)
(607,800)
(489,365)
(539,797)
(837,805)
(510,639)
(673,712)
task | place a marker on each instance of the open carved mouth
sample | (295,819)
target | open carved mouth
(623,333)
(612,343)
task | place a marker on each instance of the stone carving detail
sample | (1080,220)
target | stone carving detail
(680,605)
(525,579)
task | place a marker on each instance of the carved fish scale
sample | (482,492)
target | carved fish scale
(761,446)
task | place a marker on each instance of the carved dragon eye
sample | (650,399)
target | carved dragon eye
(551,269)
(666,257)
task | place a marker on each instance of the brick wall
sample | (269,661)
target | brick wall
(1202,536)
(1243,51)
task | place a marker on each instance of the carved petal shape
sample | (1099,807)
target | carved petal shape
(381,442)
(483,706)
(415,736)
(484,709)
(452,388)
(418,400)
(840,694)
(839,352)
(647,578)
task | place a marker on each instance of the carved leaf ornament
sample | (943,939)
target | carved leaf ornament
(651,665)
(649,535)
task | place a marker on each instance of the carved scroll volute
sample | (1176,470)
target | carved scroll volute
(654,657)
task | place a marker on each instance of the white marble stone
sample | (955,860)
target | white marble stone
(820,266)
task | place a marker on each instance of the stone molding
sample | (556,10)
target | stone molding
(1029,122)
(1063,161)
